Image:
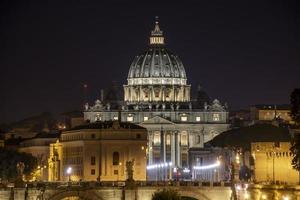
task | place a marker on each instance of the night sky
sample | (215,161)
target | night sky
(240,52)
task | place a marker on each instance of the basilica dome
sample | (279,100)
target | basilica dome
(157,75)
(157,65)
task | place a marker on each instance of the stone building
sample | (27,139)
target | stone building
(263,152)
(157,96)
(99,151)
(38,146)
(273,162)
(265,113)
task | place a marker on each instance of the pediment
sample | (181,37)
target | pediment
(157,120)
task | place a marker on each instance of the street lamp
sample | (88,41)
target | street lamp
(69,171)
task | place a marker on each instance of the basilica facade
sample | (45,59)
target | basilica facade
(157,96)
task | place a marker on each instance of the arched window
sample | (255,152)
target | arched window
(198,139)
(184,138)
(116,158)
(156,138)
(168,140)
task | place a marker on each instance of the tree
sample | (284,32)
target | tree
(295,114)
(166,194)
(9,160)
(295,149)
(295,106)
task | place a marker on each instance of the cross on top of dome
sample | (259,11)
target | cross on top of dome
(156,37)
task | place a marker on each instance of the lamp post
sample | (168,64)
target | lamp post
(69,171)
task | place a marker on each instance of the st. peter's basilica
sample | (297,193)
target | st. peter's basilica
(157,96)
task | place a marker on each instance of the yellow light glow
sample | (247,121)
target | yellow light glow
(286,198)
(246,196)
(264,196)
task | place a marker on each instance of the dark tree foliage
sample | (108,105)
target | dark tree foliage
(166,194)
(295,114)
(9,160)
(295,149)
(295,106)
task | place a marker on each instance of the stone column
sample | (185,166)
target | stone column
(173,160)
(178,160)
(150,140)
(162,146)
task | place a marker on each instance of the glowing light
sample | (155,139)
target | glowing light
(237,158)
(217,164)
(264,196)
(246,196)
(69,170)
(160,165)
(186,170)
(238,187)
(286,198)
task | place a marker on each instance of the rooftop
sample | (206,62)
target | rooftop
(243,137)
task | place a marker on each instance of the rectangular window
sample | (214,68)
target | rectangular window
(93,171)
(216,117)
(146,118)
(198,119)
(93,160)
(116,172)
(130,118)
(183,118)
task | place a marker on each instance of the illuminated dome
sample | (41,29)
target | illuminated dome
(157,75)
(157,65)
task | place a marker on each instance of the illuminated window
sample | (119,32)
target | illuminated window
(116,158)
(216,117)
(168,140)
(184,139)
(156,139)
(93,171)
(115,118)
(146,118)
(98,118)
(183,118)
(198,119)
(130,118)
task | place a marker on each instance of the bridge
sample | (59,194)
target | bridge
(113,191)
(144,191)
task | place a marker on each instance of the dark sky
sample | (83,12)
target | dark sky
(242,52)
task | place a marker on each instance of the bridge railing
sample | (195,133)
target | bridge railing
(96,184)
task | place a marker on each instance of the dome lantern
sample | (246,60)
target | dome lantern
(157,37)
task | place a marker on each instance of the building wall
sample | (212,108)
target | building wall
(273,162)
(268,114)
(39,148)
(90,154)
(42,155)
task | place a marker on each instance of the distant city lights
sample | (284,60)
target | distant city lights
(160,165)
(215,165)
